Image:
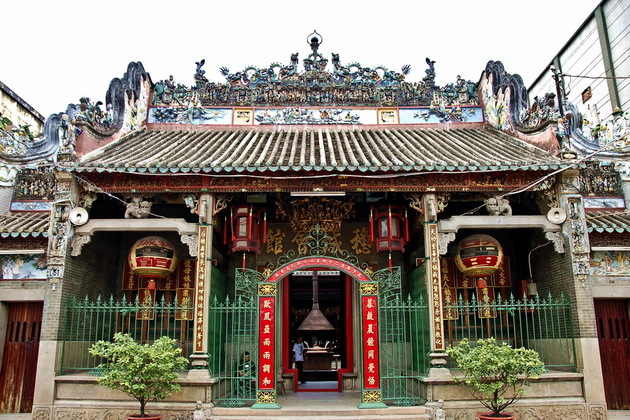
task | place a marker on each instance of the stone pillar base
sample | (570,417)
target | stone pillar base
(199,362)
(438,365)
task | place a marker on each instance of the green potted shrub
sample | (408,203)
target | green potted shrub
(495,373)
(145,372)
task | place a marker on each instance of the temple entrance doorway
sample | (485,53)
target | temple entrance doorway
(318,309)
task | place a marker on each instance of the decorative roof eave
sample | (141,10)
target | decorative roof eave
(24,225)
(336,170)
(608,222)
(366,150)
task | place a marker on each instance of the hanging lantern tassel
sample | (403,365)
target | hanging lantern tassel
(371,227)
(225,229)
(232,221)
(390,235)
(265,228)
(406,227)
(250,235)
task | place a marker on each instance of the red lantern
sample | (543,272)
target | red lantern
(246,229)
(479,255)
(152,258)
(391,228)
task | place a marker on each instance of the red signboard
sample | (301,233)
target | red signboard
(267,339)
(318,262)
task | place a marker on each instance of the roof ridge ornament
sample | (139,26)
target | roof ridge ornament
(343,85)
(315,61)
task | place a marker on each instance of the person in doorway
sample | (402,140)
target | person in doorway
(298,357)
(246,370)
(246,366)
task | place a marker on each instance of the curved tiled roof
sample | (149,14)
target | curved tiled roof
(600,222)
(326,149)
(24,224)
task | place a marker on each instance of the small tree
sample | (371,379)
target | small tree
(145,372)
(495,374)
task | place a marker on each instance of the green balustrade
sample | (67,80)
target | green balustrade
(87,322)
(541,324)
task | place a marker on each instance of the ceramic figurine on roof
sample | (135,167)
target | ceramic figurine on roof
(344,85)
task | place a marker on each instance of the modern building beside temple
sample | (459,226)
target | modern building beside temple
(378,216)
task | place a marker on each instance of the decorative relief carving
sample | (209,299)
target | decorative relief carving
(41,414)
(87,199)
(442,201)
(191,241)
(558,241)
(221,203)
(191,202)
(597,412)
(608,240)
(279,84)
(306,213)
(578,237)
(415,202)
(77,244)
(34,185)
(541,412)
(443,240)
(137,208)
(600,180)
(100,414)
(498,206)
(546,191)
(431,212)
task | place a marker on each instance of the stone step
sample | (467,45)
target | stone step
(321,417)
(321,412)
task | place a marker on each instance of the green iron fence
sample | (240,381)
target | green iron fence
(233,335)
(405,346)
(544,325)
(88,321)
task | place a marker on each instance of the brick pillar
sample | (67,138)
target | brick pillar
(60,231)
(587,344)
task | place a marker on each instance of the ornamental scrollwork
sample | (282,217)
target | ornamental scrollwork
(318,242)
(369,289)
(267,289)
(372,396)
(266,397)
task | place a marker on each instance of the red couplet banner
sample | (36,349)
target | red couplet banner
(267,338)
(371,372)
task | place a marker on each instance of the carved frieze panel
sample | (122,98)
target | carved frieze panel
(131,183)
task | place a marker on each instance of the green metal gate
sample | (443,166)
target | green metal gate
(233,342)
(404,341)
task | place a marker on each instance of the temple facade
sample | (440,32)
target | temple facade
(375,219)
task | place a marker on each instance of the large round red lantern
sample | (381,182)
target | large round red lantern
(152,258)
(478,255)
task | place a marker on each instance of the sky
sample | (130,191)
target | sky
(52,53)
